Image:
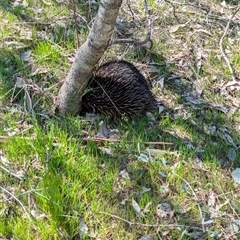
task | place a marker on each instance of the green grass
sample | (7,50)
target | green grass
(53,180)
(48,54)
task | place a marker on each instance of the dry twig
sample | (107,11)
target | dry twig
(100,139)
(134,41)
(221,45)
(17,200)
(148,225)
(94,139)
(188,4)
(174,9)
(75,19)
(196,199)
(10,173)
(6,138)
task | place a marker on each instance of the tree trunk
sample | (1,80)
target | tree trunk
(87,56)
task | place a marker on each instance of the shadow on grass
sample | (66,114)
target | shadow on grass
(210,123)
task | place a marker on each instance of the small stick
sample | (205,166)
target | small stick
(75,19)
(95,139)
(17,200)
(188,4)
(131,11)
(10,173)
(174,9)
(147,225)
(100,139)
(149,33)
(196,199)
(6,138)
(134,41)
(221,45)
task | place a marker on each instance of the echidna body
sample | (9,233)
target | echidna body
(118,89)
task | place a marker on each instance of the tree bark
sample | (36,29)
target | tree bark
(87,56)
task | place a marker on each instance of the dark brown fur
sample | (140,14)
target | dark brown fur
(118,89)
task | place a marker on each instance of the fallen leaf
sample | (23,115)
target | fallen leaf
(211,199)
(37,214)
(143,157)
(174,28)
(203,31)
(236,175)
(3,159)
(235,226)
(83,228)
(103,130)
(137,208)
(148,237)
(28,102)
(20,174)
(107,151)
(26,56)
(164,210)
(124,174)
(19,82)
(232,155)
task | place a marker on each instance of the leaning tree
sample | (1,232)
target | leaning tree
(87,56)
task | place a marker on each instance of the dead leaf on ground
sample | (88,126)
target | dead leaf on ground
(107,132)
(223,133)
(164,210)
(106,150)
(39,71)
(83,228)
(149,237)
(38,214)
(28,102)
(103,130)
(137,208)
(195,233)
(20,82)
(26,56)
(3,159)
(175,28)
(119,186)
(236,175)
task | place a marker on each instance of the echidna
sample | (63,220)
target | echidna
(118,89)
